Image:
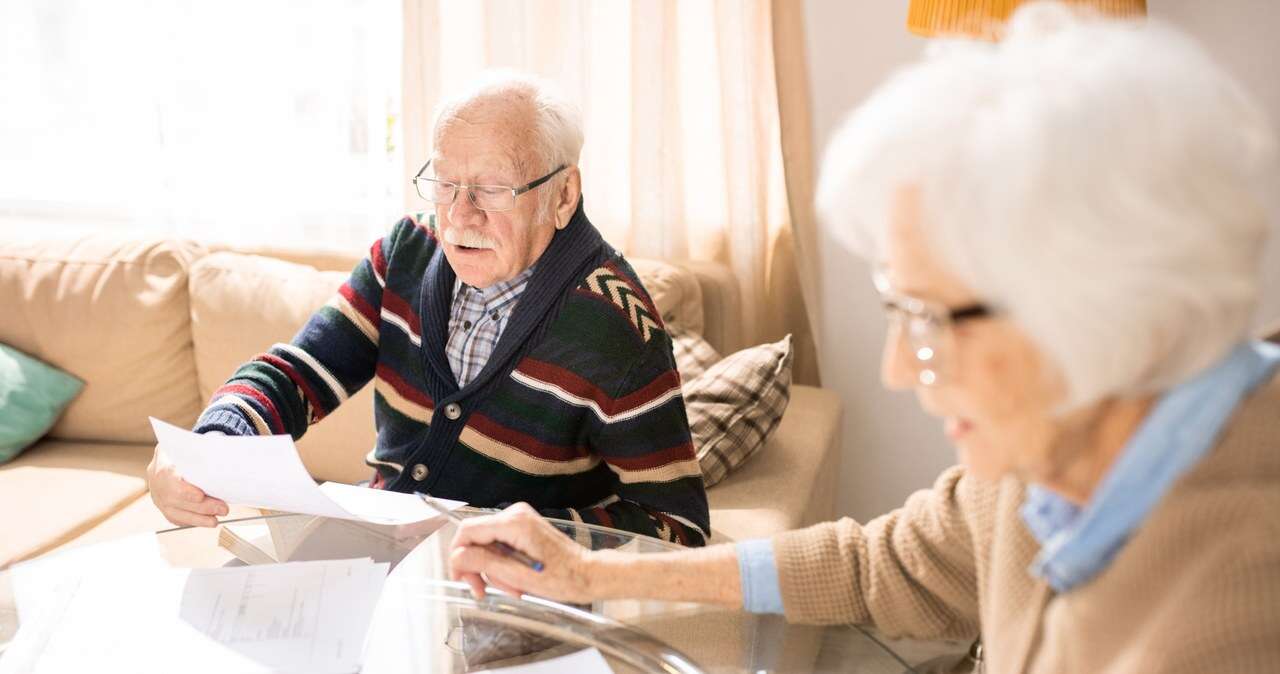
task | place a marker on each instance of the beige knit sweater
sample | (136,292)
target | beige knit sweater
(1196,589)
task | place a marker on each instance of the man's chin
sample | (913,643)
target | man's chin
(473,266)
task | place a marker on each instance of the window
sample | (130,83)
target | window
(247,122)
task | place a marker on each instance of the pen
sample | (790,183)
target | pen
(497,546)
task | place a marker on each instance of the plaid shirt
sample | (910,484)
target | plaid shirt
(476,322)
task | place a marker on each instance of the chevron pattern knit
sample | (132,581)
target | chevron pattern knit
(577,412)
(611,284)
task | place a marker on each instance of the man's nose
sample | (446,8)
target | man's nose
(463,211)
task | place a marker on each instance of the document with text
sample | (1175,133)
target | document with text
(294,617)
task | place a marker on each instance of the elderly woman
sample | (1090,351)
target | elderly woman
(1066,229)
(515,354)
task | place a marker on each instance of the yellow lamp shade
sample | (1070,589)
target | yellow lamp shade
(984,18)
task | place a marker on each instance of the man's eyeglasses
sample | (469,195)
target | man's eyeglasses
(927,326)
(483,197)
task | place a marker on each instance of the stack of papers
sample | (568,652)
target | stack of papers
(295,617)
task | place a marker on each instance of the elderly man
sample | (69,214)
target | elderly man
(515,355)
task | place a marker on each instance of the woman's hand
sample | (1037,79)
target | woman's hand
(180,502)
(567,573)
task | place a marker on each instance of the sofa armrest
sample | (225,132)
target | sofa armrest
(792,482)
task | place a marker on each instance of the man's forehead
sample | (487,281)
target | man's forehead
(480,152)
(463,160)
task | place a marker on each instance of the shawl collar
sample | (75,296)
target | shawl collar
(569,256)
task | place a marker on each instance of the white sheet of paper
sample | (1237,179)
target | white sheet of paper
(217,464)
(38,580)
(586,661)
(381,506)
(297,617)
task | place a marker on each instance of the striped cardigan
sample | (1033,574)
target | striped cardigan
(577,412)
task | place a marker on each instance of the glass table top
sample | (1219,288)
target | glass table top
(426,623)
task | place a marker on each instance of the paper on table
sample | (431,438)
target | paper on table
(36,581)
(585,661)
(278,480)
(298,617)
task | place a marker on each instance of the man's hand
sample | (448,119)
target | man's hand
(180,501)
(566,573)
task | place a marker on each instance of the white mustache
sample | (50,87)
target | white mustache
(470,238)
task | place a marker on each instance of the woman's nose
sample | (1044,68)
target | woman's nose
(896,371)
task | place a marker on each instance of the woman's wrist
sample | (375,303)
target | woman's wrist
(705,575)
(602,569)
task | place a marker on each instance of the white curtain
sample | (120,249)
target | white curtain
(237,121)
(680,100)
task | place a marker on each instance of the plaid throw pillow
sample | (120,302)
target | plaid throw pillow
(735,405)
(693,354)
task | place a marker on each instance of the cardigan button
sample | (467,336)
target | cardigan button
(452,411)
(419,472)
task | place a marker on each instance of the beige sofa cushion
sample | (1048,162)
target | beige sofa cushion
(59,489)
(113,314)
(675,291)
(792,483)
(240,306)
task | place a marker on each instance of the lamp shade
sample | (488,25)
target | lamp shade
(984,18)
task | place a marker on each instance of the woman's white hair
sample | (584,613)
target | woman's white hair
(557,124)
(1102,183)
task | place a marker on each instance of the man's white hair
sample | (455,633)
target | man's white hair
(1102,183)
(557,123)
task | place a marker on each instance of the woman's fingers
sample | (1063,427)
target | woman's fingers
(519,526)
(475,582)
(562,576)
(514,592)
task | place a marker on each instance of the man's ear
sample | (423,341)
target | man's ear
(567,197)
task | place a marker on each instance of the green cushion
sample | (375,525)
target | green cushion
(32,397)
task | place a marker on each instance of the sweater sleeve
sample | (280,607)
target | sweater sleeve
(911,572)
(294,385)
(644,439)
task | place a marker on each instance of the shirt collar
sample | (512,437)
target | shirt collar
(1078,543)
(500,294)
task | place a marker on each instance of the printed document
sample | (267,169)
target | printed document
(295,617)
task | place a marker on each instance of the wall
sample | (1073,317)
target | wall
(891,448)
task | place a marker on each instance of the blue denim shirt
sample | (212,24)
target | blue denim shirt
(1078,543)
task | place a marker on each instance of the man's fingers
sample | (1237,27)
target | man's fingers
(188,491)
(186,518)
(209,506)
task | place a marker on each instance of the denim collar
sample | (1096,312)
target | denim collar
(1078,543)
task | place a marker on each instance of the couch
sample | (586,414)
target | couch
(154,326)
